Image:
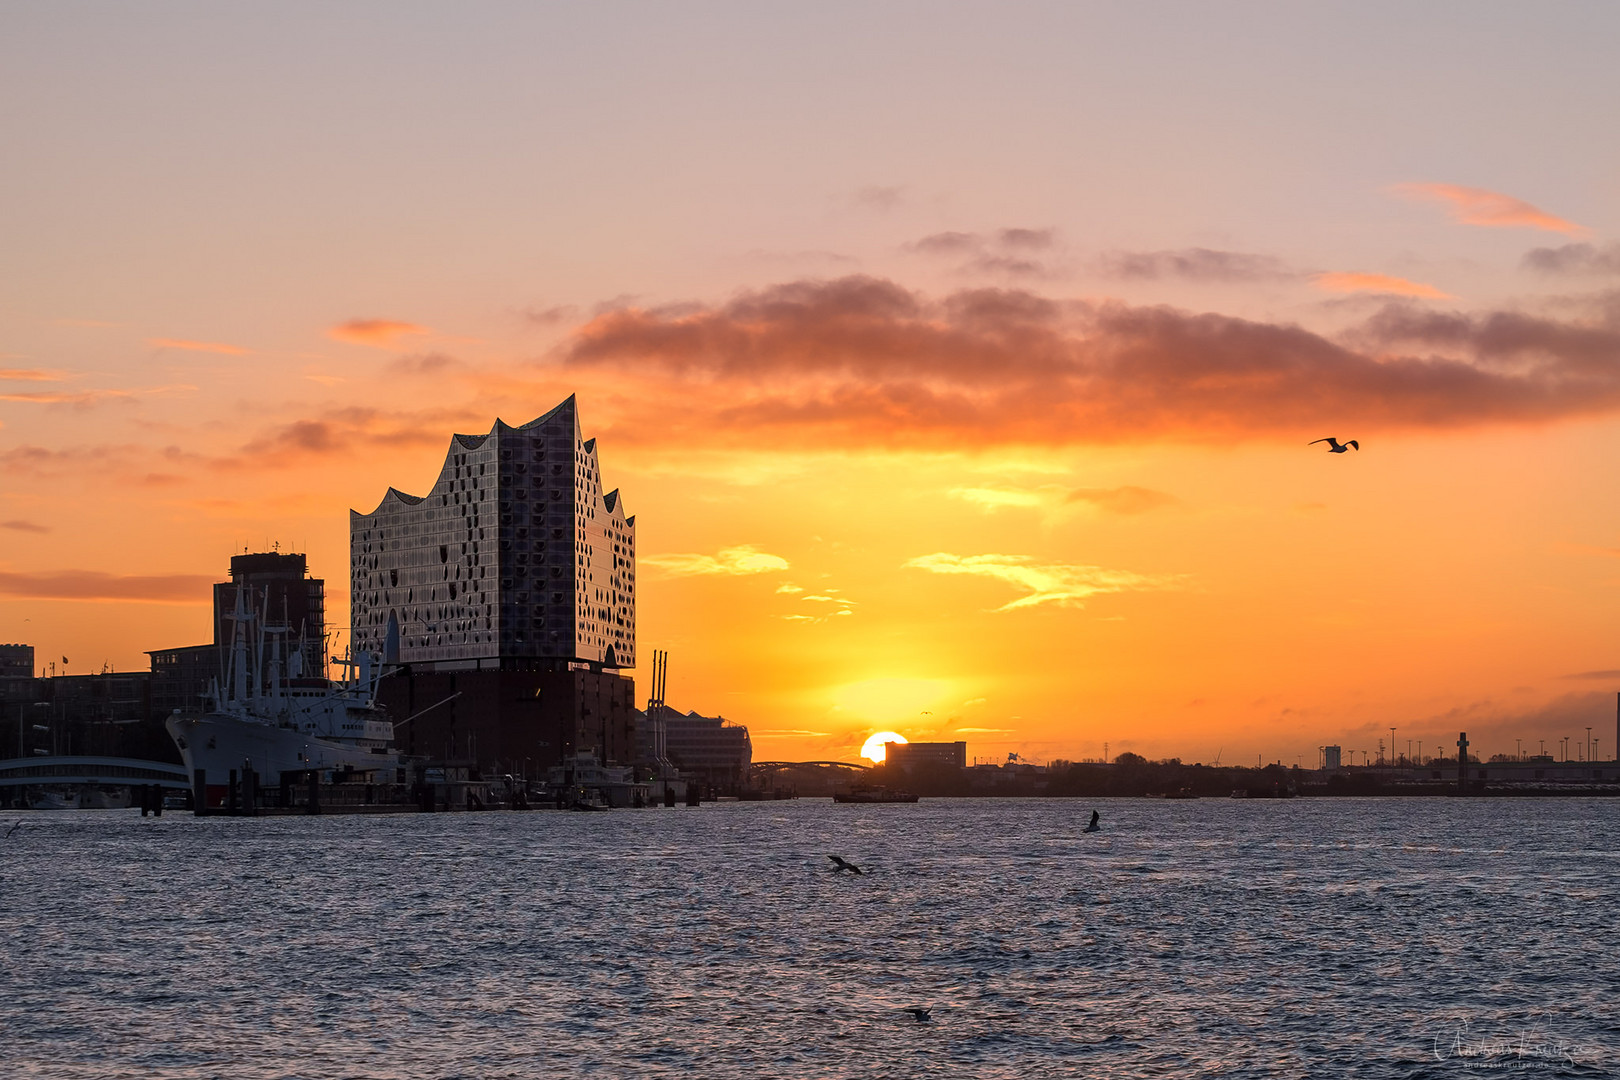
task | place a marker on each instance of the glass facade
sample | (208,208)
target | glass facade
(515,555)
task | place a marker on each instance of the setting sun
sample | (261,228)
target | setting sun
(876,749)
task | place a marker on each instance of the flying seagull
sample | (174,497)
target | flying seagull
(921,1014)
(14,828)
(842,865)
(1094,826)
(1334,445)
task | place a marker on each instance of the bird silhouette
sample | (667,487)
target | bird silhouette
(842,865)
(919,1013)
(14,828)
(1335,446)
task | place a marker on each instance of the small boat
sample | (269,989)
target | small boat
(874,795)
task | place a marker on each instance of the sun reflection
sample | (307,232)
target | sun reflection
(876,748)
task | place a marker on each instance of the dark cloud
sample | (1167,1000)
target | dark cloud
(862,360)
(1608,675)
(1007,265)
(338,431)
(1575,259)
(40,461)
(1026,239)
(1004,253)
(1498,339)
(1193,264)
(94,585)
(24,526)
(1122,500)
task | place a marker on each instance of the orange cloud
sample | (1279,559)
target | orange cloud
(1377,283)
(62,397)
(861,362)
(94,585)
(198,346)
(29,375)
(1476,206)
(377,333)
(24,526)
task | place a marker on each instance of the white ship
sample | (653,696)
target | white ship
(278,721)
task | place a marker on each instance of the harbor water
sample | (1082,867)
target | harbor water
(1258,938)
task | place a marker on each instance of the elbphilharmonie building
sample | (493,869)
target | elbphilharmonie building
(510,588)
(515,554)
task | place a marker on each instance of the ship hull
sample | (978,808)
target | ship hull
(219,744)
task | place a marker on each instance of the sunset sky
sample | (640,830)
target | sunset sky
(957,361)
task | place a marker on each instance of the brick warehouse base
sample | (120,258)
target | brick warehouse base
(501,718)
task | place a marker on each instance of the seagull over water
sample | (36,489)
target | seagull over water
(1335,446)
(921,1014)
(842,865)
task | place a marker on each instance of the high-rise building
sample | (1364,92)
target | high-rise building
(276,590)
(507,596)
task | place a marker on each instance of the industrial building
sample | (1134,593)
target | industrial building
(506,595)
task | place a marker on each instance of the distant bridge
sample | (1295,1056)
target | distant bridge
(771,766)
(62,769)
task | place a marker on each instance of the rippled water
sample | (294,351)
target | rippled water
(1371,937)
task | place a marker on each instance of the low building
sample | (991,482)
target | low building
(181,677)
(707,748)
(107,713)
(926,755)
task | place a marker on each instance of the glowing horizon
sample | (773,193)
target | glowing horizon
(960,377)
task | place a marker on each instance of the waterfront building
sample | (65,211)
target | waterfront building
(926,755)
(105,713)
(708,748)
(1332,757)
(506,595)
